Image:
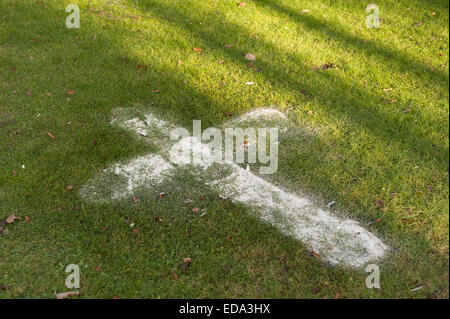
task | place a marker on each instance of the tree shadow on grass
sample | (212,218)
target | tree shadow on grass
(383,52)
(379,122)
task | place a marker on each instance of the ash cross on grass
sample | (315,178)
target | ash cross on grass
(337,241)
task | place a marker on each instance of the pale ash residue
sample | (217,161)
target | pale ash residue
(144,127)
(144,170)
(265,113)
(338,241)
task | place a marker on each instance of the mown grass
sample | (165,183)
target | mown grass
(379,117)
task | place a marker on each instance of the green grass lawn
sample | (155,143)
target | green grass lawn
(377,124)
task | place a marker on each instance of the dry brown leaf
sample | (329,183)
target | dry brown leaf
(70,92)
(11,218)
(186,262)
(379,203)
(162,195)
(197,49)
(69,187)
(66,294)
(250,57)
(374,221)
(135,231)
(314,254)
(50,135)
(195,210)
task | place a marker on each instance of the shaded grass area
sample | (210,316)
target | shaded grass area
(367,147)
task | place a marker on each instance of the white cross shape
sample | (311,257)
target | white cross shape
(338,241)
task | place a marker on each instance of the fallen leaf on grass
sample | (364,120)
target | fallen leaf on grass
(242,4)
(29,93)
(70,92)
(228,45)
(162,195)
(14,172)
(374,221)
(305,11)
(156,91)
(325,66)
(379,203)
(50,135)
(197,49)
(135,231)
(407,110)
(186,262)
(406,221)
(11,219)
(310,112)
(69,187)
(141,66)
(250,57)
(314,254)
(66,294)
(27,219)
(158,219)
(195,210)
